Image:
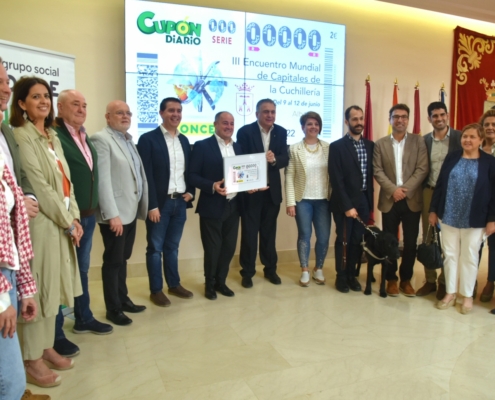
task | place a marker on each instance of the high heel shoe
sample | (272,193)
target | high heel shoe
(51,365)
(45,382)
(466,310)
(443,306)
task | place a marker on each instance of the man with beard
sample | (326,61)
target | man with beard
(350,166)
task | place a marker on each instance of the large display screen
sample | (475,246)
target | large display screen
(218,60)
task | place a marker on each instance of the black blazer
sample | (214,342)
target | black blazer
(249,137)
(205,169)
(483,204)
(346,176)
(156,162)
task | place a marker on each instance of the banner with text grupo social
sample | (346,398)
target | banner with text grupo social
(55,68)
(219,60)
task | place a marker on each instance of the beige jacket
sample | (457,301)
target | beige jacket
(295,173)
(414,171)
(54,266)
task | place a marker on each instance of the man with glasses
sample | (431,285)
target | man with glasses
(400,163)
(123,192)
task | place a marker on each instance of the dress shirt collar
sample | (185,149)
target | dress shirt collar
(265,132)
(222,142)
(126,136)
(168,134)
(351,138)
(396,141)
(72,131)
(439,140)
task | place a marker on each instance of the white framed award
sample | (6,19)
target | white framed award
(245,172)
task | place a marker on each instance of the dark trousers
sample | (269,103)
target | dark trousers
(391,220)
(259,218)
(491,258)
(354,236)
(219,238)
(118,250)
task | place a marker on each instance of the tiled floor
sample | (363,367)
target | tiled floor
(285,342)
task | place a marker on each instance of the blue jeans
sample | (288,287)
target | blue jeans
(312,213)
(164,237)
(82,312)
(12,376)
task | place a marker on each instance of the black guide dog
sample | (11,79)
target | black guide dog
(380,247)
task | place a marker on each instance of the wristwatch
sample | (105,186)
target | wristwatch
(69,231)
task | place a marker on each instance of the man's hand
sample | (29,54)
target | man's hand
(217,186)
(270,157)
(291,211)
(154,215)
(187,197)
(116,226)
(433,219)
(399,194)
(8,321)
(352,213)
(29,309)
(31,207)
(490,228)
(258,190)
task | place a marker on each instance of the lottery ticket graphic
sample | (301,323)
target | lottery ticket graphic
(245,173)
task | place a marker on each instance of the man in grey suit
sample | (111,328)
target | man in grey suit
(400,166)
(123,191)
(441,141)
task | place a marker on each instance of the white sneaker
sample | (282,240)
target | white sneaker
(304,281)
(318,276)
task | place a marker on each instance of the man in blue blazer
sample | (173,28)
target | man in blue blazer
(261,207)
(218,211)
(350,166)
(166,153)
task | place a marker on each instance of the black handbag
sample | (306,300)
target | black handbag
(431,255)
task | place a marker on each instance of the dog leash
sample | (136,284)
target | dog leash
(363,243)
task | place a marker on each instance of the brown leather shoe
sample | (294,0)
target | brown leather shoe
(406,289)
(426,289)
(487,293)
(30,396)
(441,291)
(392,289)
(159,299)
(179,291)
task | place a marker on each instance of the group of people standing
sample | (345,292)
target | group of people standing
(58,183)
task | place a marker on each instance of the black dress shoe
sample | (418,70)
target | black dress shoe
(210,293)
(341,285)
(223,289)
(118,318)
(132,308)
(66,348)
(274,278)
(353,284)
(247,282)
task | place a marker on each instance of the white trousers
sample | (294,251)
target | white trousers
(461,249)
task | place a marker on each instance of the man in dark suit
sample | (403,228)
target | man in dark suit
(217,209)
(350,167)
(261,207)
(165,153)
(441,141)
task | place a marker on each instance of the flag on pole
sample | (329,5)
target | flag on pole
(395,100)
(368,130)
(442,94)
(417,113)
(368,117)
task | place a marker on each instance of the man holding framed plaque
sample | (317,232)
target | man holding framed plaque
(218,210)
(261,206)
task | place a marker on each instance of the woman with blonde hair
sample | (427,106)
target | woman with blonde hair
(464,203)
(307,191)
(54,231)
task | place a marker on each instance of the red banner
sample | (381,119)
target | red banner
(417,111)
(473,76)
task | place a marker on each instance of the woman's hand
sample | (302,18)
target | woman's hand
(490,228)
(433,219)
(291,211)
(76,233)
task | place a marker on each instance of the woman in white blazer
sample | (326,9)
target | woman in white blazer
(307,191)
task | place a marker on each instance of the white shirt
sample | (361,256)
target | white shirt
(227,150)
(398,155)
(177,183)
(265,137)
(316,174)
(4,148)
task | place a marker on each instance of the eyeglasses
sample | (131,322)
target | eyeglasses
(397,117)
(122,113)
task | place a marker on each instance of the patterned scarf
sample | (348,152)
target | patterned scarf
(19,223)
